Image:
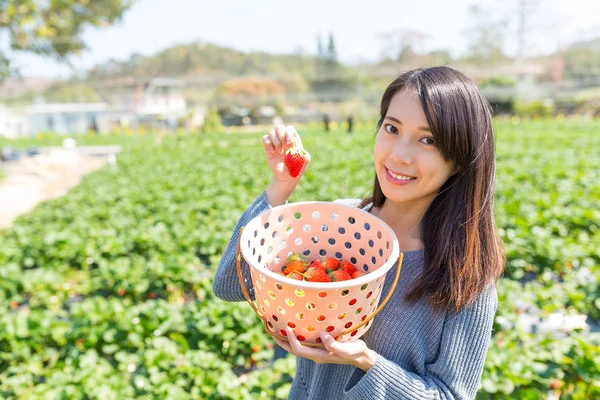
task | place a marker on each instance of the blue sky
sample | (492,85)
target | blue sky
(285,27)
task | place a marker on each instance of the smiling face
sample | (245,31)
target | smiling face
(409,165)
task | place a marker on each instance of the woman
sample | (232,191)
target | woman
(434,176)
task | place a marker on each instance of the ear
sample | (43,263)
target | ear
(457,170)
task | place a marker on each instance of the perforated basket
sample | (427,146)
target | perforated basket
(317,229)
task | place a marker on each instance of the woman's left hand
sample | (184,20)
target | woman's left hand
(354,352)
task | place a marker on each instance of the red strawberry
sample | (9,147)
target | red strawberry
(294,159)
(295,275)
(296,256)
(297,265)
(318,264)
(358,274)
(339,275)
(332,263)
(555,384)
(316,275)
(348,267)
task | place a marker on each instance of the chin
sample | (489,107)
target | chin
(391,195)
(397,195)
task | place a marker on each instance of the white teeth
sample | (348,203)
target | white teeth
(400,177)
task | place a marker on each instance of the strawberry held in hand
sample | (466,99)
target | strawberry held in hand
(294,159)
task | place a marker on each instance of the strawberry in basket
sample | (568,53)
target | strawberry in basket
(325,269)
(339,275)
(304,297)
(318,264)
(295,263)
(316,275)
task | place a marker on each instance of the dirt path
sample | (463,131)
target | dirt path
(48,175)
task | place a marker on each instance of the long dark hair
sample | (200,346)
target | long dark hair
(462,250)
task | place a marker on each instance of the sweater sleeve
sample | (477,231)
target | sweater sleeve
(455,373)
(226,284)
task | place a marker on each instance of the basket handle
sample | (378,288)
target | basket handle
(370,317)
(264,320)
(241,278)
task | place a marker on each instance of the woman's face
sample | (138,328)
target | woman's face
(409,166)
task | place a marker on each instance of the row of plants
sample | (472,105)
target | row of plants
(106,292)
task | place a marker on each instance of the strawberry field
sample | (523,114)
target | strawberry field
(106,292)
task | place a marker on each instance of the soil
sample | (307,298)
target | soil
(48,175)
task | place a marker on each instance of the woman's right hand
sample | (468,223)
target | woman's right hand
(275,144)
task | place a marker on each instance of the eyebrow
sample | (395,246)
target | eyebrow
(396,120)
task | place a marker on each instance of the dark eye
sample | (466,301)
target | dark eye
(389,128)
(428,140)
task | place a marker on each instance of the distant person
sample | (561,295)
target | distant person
(93,126)
(350,121)
(326,121)
(434,162)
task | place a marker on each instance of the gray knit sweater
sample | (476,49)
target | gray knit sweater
(421,354)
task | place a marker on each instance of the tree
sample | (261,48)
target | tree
(53,28)
(320,52)
(77,92)
(582,64)
(249,92)
(439,57)
(331,51)
(331,58)
(407,54)
(527,8)
(485,37)
(410,41)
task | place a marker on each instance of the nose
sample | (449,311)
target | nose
(401,154)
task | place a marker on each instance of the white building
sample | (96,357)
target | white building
(132,102)
(157,102)
(66,118)
(13,122)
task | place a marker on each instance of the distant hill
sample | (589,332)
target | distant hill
(202,59)
(208,68)
(207,61)
(205,67)
(592,44)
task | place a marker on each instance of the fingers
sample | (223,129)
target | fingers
(293,342)
(330,343)
(291,136)
(284,345)
(268,144)
(315,354)
(280,139)
(307,156)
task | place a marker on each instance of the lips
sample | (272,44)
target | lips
(399,176)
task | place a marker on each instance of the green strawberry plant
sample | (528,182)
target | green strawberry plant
(106,292)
